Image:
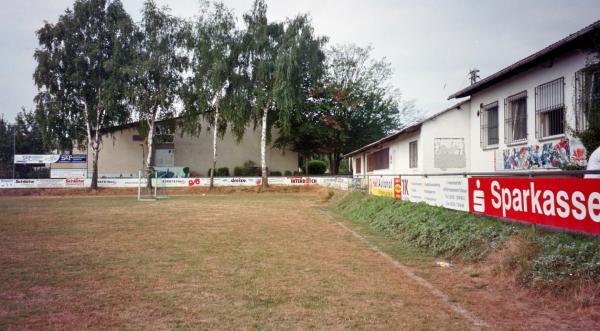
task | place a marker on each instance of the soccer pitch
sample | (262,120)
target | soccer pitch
(241,261)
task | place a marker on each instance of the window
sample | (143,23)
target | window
(515,118)
(358,166)
(550,108)
(378,160)
(489,124)
(412,154)
(587,97)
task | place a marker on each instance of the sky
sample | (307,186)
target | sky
(431,45)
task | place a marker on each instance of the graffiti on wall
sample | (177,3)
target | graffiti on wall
(545,156)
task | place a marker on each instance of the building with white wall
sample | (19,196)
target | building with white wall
(523,116)
(519,118)
(435,145)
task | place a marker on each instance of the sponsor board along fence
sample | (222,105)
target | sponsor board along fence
(342,183)
(571,204)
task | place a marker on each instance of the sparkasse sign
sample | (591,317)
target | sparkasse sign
(566,203)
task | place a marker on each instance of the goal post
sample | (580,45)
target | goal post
(158,190)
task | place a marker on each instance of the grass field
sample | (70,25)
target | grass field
(244,261)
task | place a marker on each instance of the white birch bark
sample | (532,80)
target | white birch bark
(263,148)
(215,126)
(149,167)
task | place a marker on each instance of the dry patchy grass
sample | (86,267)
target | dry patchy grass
(198,262)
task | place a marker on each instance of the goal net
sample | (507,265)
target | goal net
(157,189)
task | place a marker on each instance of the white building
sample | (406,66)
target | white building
(522,117)
(519,118)
(434,145)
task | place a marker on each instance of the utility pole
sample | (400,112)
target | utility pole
(474,75)
(14,150)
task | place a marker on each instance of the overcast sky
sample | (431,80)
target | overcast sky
(431,44)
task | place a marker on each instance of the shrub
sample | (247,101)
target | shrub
(275,173)
(316,167)
(238,171)
(287,173)
(222,172)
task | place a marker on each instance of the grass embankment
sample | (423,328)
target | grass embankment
(538,257)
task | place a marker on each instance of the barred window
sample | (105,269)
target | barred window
(587,97)
(515,118)
(489,124)
(550,108)
(378,160)
(413,154)
(358,167)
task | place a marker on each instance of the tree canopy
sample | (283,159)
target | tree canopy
(83,74)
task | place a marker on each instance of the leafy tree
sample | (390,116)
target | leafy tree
(358,103)
(284,60)
(83,74)
(590,98)
(157,70)
(27,140)
(207,94)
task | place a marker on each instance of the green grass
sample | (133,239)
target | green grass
(549,257)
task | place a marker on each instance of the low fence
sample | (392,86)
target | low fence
(566,203)
(338,182)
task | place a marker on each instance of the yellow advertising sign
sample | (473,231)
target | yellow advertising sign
(382,186)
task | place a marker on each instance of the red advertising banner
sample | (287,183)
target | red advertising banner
(572,204)
(397,188)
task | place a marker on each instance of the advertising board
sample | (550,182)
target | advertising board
(565,203)
(449,192)
(382,186)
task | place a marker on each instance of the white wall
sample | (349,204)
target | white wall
(450,124)
(453,124)
(565,66)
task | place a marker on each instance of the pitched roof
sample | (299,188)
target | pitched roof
(407,129)
(570,42)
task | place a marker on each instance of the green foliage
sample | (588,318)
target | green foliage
(275,173)
(317,167)
(590,98)
(214,46)
(222,172)
(556,257)
(287,173)
(83,74)
(28,140)
(248,169)
(436,230)
(545,257)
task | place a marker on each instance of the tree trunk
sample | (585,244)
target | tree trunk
(214,163)
(306,164)
(149,167)
(331,165)
(263,149)
(95,152)
(336,163)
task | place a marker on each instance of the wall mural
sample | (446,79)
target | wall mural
(545,156)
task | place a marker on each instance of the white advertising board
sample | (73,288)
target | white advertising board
(341,183)
(68,173)
(449,192)
(7,183)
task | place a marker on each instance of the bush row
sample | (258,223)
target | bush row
(541,256)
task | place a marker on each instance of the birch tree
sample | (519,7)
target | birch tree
(82,73)
(158,67)
(284,61)
(213,48)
